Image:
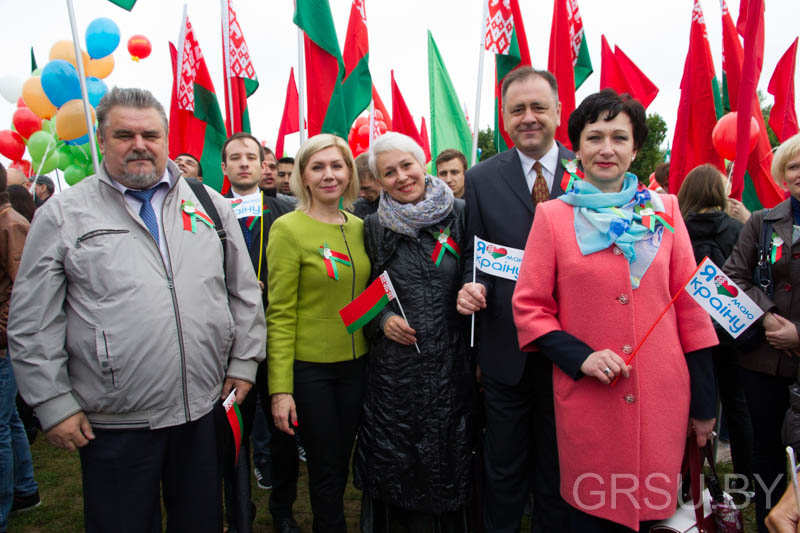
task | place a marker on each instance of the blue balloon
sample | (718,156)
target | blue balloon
(102,37)
(96,89)
(60,82)
(79,141)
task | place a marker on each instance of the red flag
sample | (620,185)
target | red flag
(240,75)
(426,144)
(402,121)
(610,72)
(697,116)
(751,71)
(290,121)
(357,82)
(741,22)
(732,59)
(378,103)
(640,85)
(783,117)
(559,62)
(356,42)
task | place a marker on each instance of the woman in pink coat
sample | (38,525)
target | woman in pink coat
(600,264)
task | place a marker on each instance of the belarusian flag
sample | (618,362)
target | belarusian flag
(505,38)
(327,112)
(402,120)
(195,120)
(235,420)
(125,4)
(240,75)
(568,59)
(357,82)
(697,115)
(783,116)
(290,121)
(449,128)
(757,189)
(368,304)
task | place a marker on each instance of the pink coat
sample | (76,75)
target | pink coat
(620,448)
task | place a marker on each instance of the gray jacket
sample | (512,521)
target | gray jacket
(100,324)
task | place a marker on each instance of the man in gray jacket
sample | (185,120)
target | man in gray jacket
(129,324)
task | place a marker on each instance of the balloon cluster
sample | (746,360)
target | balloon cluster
(358,139)
(50,116)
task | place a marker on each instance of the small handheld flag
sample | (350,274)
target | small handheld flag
(368,304)
(234,419)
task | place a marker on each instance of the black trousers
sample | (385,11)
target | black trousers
(768,400)
(520,452)
(734,406)
(329,398)
(124,470)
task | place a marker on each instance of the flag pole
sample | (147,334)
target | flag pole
(396,297)
(474,259)
(226,61)
(301,75)
(84,93)
(476,127)
(181,43)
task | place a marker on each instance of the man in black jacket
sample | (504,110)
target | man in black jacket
(243,162)
(501,195)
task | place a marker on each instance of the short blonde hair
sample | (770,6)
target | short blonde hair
(316,144)
(785,153)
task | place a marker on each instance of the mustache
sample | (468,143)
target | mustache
(140,155)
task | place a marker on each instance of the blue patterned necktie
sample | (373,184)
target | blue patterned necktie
(146,212)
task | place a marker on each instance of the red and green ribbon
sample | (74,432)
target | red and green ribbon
(777,249)
(651,217)
(444,243)
(331,257)
(571,173)
(190,216)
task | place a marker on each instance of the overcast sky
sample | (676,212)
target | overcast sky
(653,33)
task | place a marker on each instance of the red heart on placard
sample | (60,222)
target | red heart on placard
(497,251)
(727,289)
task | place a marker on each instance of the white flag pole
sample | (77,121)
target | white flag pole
(84,93)
(476,127)
(226,61)
(474,259)
(301,76)
(181,44)
(385,276)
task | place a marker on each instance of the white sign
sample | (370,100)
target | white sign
(723,299)
(497,260)
(247,206)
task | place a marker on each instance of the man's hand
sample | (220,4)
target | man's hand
(471,298)
(284,412)
(73,433)
(784,517)
(242,388)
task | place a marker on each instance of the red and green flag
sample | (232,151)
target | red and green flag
(449,127)
(290,121)
(235,420)
(505,38)
(327,111)
(357,84)
(240,75)
(697,112)
(368,304)
(783,116)
(196,126)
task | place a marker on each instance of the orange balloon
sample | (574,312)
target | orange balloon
(34,97)
(70,120)
(100,68)
(64,50)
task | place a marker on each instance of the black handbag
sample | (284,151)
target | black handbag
(753,337)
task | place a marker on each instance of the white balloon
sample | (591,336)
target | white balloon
(10,87)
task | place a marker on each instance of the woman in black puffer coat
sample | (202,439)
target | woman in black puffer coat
(413,454)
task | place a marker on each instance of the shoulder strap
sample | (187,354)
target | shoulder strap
(200,191)
(763,267)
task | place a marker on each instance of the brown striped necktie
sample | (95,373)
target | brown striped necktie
(539,192)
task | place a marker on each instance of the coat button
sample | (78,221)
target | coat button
(787,288)
(796,255)
(104,364)
(630,398)
(617,250)
(623,298)
(627,350)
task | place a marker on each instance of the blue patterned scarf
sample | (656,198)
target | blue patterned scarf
(604,219)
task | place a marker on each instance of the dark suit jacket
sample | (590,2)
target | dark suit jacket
(499,209)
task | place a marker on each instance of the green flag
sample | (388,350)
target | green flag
(449,128)
(583,63)
(124,4)
(34,66)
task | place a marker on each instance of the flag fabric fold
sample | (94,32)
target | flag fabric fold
(124,4)
(621,74)
(426,143)
(368,304)
(379,105)
(196,126)
(290,120)
(240,75)
(357,84)
(449,127)
(561,65)
(402,120)
(783,116)
(234,416)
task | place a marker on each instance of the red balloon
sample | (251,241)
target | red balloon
(21,103)
(26,122)
(378,115)
(361,121)
(11,145)
(23,166)
(381,127)
(723,136)
(139,47)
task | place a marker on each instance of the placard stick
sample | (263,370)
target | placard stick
(472,333)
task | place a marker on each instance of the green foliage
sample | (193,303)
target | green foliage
(765,110)
(486,147)
(651,154)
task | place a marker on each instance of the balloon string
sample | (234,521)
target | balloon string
(41,164)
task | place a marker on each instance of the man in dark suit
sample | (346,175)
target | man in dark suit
(243,162)
(501,196)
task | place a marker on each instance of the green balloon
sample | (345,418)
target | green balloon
(49,165)
(79,155)
(73,174)
(37,72)
(64,160)
(38,144)
(49,126)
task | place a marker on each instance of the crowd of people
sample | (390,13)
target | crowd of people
(143,299)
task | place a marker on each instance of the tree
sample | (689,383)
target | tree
(486,148)
(765,110)
(650,155)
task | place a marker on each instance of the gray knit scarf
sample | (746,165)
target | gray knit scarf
(408,219)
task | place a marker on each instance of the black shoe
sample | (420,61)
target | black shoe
(263,473)
(25,503)
(285,525)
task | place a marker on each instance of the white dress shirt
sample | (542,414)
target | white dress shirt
(549,164)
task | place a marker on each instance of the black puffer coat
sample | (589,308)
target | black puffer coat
(414,444)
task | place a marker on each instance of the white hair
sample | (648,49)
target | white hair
(389,142)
